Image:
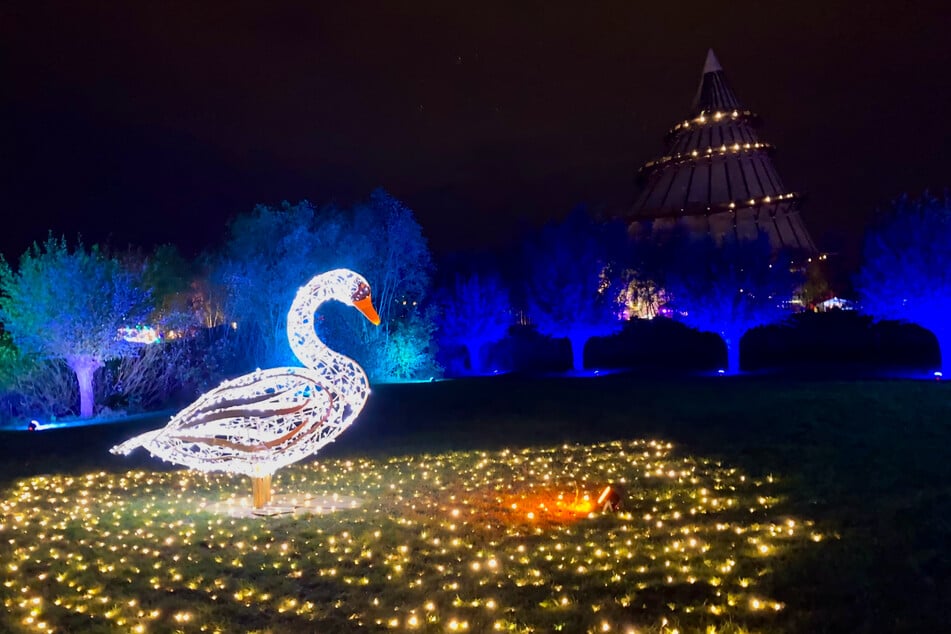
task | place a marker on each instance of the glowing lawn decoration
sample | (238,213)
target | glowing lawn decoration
(260,422)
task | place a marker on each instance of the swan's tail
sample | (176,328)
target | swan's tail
(125,448)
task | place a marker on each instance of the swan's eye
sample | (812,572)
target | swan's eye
(362,292)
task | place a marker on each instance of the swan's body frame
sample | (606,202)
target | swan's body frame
(260,422)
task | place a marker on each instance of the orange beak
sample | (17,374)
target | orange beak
(365,306)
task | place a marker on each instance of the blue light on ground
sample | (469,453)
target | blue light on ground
(36,425)
(431,379)
(587,373)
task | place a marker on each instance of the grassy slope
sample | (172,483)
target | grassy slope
(869,461)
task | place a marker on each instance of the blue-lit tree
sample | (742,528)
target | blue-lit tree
(269,254)
(382,239)
(572,286)
(69,305)
(272,250)
(729,288)
(906,274)
(475,311)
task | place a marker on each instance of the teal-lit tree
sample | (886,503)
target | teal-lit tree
(273,250)
(572,280)
(906,271)
(382,239)
(729,288)
(270,252)
(69,304)
(475,311)
(9,357)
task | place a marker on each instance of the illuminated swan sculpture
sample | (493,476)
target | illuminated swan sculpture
(268,419)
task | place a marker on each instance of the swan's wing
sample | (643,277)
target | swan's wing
(248,420)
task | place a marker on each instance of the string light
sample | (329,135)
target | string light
(707,117)
(709,152)
(440,542)
(731,206)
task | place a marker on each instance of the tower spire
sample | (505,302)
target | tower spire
(712,64)
(714,93)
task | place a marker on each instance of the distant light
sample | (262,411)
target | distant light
(140,334)
(938,375)
(33,426)
(721,371)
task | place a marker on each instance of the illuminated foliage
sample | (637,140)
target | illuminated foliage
(69,304)
(269,253)
(464,541)
(9,358)
(475,311)
(729,288)
(46,387)
(386,243)
(572,285)
(906,274)
(272,249)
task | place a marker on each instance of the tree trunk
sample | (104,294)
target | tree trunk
(732,354)
(85,368)
(577,352)
(475,360)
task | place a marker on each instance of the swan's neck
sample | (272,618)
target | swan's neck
(301,331)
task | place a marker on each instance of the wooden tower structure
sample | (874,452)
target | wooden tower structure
(717,176)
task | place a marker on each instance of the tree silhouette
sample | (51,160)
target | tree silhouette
(572,284)
(475,311)
(70,305)
(906,271)
(387,244)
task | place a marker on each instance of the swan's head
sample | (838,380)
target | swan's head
(353,289)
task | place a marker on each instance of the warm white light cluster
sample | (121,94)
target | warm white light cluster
(265,420)
(765,200)
(474,541)
(706,117)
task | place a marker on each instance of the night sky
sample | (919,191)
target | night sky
(156,122)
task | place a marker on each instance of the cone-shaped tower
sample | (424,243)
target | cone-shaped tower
(717,176)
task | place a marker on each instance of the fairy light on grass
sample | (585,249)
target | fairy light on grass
(463,541)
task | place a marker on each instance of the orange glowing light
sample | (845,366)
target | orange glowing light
(546,507)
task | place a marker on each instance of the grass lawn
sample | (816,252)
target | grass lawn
(750,505)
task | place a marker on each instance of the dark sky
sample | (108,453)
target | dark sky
(150,122)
